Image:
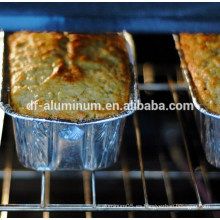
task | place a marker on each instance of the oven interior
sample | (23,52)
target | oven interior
(161,162)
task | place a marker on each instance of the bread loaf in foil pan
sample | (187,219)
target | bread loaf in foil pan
(45,144)
(208,122)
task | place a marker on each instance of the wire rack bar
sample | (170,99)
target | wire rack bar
(93,190)
(87,190)
(6,188)
(167,182)
(117,174)
(175,98)
(206,181)
(42,203)
(109,207)
(161,87)
(127,186)
(47,193)
(7,180)
(138,139)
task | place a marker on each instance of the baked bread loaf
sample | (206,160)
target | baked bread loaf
(202,56)
(68,68)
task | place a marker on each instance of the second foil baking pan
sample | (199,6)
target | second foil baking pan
(48,145)
(208,123)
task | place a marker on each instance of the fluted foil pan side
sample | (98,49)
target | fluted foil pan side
(208,123)
(46,144)
(51,146)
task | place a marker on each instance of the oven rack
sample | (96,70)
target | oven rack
(89,178)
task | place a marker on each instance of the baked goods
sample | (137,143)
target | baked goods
(202,56)
(68,68)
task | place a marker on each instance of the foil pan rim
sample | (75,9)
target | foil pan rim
(7,109)
(133,97)
(200,107)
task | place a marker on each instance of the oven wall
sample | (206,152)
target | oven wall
(99,17)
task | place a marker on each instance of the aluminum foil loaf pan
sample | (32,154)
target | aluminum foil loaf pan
(47,145)
(208,123)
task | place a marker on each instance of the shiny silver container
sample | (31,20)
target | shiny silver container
(52,146)
(208,123)
(44,144)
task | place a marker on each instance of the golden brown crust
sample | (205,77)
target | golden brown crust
(202,55)
(68,68)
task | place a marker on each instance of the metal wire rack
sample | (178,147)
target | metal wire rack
(194,174)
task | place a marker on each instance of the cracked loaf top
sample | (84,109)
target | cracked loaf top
(66,68)
(202,56)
